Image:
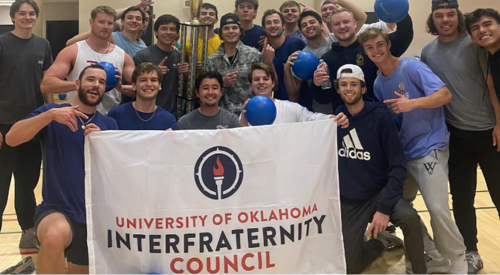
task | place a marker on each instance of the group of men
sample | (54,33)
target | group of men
(406,125)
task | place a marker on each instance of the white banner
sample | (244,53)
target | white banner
(247,200)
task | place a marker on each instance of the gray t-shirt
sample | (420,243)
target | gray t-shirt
(167,96)
(22,63)
(320,50)
(198,121)
(462,66)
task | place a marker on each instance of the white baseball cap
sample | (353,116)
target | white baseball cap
(356,72)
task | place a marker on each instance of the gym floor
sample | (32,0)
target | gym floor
(390,262)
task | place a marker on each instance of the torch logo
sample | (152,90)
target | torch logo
(218,173)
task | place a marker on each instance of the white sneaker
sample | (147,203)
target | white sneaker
(474,262)
(434,265)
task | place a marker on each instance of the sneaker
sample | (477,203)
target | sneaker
(26,266)
(474,262)
(29,240)
(391,228)
(389,240)
(434,265)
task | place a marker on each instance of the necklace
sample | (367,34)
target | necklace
(88,121)
(93,52)
(145,120)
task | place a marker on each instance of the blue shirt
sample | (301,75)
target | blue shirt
(420,130)
(298,34)
(281,55)
(252,37)
(127,118)
(64,164)
(129,46)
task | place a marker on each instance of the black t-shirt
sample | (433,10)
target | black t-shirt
(495,71)
(22,63)
(167,96)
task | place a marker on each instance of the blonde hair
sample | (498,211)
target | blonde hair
(340,9)
(370,33)
(102,9)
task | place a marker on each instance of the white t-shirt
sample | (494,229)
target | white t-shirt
(291,112)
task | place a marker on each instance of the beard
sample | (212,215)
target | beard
(210,104)
(101,35)
(82,96)
(277,34)
(340,38)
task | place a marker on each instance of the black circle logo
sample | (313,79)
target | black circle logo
(218,173)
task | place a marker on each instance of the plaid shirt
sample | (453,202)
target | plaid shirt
(235,95)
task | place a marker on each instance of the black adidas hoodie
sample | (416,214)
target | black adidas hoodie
(370,157)
(338,56)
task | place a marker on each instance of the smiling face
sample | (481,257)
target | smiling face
(377,49)
(25,17)
(350,90)
(486,32)
(166,34)
(273,25)
(208,16)
(102,26)
(291,14)
(326,12)
(230,33)
(246,12)
(262,83)
(446,22)
(209,92)
(147,86)
(91,87)
(344,26)
(133,21)
(310,27)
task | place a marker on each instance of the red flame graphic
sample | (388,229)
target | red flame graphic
(218,168)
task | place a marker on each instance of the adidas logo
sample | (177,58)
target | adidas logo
(353,148)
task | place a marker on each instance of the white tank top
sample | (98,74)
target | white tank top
(86,56)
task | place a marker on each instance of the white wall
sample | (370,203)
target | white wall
(175,7)
(4,15)
(419,10)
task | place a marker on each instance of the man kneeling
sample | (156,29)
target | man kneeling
(60,221)
(372,171)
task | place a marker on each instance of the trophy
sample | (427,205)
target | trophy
(195,6)
(186,94)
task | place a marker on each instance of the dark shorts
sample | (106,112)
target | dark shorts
(77,252)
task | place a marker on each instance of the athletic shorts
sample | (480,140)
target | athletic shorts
(77,252)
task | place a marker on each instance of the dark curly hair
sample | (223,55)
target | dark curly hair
(431,28)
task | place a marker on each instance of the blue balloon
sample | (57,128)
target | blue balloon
(305,65)
(391,11)
(260,110)
(111,80)
(62,96)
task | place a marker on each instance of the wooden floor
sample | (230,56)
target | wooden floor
(391,262)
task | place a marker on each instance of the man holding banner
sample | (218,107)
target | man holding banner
(371,179)
(60,220)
